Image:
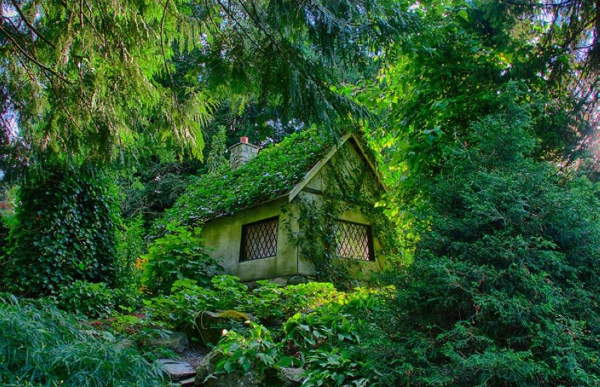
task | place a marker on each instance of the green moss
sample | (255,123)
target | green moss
(272,173)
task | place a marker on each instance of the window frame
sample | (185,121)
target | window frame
(244,238)
(370,244)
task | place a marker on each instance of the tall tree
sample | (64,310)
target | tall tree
(82,77)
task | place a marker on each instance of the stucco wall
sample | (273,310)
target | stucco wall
(223,237)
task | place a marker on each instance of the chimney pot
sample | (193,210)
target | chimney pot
(244,140)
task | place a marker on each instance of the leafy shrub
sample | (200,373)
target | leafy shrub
(43,346)
(504,288)
(272,304)
(175,256)
(327,327)
(332,335)
(256,351)
(333,367)
(65,230)
(87,298)
(179,309)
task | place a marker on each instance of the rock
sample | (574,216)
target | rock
(291,376)
(297,279)
(187,382)
(177,370)
(176,341)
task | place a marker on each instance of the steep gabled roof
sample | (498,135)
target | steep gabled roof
(279,170)
(323,161)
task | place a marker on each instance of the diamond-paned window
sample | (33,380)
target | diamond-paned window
(354,241)
(259,239)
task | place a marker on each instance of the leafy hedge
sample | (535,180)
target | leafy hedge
(273,172)
(65,230)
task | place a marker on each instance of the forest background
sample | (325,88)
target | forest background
(482,116)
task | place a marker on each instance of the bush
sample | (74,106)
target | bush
(337,337)
(255,352)
(89,299)
(175,256)
(273,304)
(43,346)
(64,230)
(270,303)
(504,288)
(179,309)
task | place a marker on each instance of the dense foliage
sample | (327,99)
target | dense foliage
(65,230)
(96,77)
(177,255)
(504,286)
(41,346)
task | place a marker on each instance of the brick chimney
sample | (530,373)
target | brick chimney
(242,152)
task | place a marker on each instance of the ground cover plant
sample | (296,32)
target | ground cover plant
(39,345)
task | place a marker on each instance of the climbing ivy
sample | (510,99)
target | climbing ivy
(65,230)
(347,186)
(275,172)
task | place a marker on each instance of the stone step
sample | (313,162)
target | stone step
(187,382)
(176,369)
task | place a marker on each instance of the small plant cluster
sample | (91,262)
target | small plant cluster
(96,299)
(269,303)
(338,340)
(177,255)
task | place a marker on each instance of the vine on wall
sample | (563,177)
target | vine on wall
(346,186)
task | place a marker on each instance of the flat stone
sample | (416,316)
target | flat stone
(187,382)
(291,375)
(177,370)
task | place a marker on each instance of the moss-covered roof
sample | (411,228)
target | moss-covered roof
(273,173)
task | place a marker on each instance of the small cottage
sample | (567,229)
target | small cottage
(290,209)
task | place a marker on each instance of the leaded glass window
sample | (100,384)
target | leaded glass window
(354,241)
(259,239)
